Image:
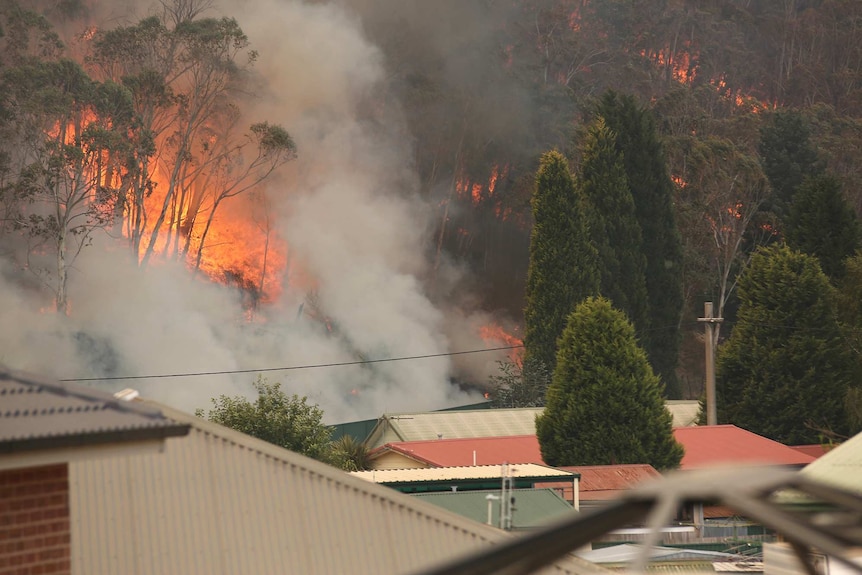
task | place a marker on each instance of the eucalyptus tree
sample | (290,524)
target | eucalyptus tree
(71,150)
(186,73)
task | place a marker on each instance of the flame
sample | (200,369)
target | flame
(493,334)
(679,181)
(477,192)
(682,63)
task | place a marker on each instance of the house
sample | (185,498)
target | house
(597,485)
(94,484)
(457,452)
(715,445)
(47,428)
(461,424)
(468,478)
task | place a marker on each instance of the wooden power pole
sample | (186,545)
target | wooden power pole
(709,325)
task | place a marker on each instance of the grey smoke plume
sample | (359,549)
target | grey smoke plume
(350,211)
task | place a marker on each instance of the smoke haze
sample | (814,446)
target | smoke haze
(360,246)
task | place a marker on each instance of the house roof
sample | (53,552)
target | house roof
(713,445)
(517,471)
(219,501)
(841,467)
(815,450)
(38,414)
(469,451)
(458,424)
(463,424)
(604,482)
(533,507)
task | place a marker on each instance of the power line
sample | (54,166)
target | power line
(294,367)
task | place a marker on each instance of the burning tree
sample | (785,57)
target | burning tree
(70,151)
(184,74)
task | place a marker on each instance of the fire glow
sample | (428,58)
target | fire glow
(494,334)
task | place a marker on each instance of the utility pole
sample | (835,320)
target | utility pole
(709,325)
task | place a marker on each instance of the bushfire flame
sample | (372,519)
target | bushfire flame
(494,334)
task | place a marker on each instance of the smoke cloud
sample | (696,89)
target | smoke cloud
(361,251)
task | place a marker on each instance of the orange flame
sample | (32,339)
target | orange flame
(493,334)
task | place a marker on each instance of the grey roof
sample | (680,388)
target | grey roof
(453,425)
(218,502)
(37,413)
(423,426)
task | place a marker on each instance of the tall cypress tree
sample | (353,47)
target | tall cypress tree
(613,224)
(821,223)
(652,190)
(786,366)
(605,404)
(562,270)
(787,158)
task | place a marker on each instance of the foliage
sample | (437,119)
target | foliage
(821,223)
(786,369)
(520,384)
(614,228)
(349,454)
(563,263)
(605,404)
(70,139)
(646,169)
(787,156)
(286,421)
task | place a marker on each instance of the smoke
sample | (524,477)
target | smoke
(350,210)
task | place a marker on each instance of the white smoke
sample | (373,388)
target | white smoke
(350,211)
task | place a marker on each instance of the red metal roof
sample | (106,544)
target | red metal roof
(597,481)
(470,451)
(605,482)
(713,445)
(815,450)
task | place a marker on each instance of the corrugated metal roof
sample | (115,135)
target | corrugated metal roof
(525,470)
(533,507)
(37,413)
(220,502)
(841,467)
(453,425)
(712,445)
(424,426)
(481,450)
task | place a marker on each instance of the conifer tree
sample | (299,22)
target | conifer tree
(605,404)
(821,223)
(613,225)
(562,270)
(652,191)
(787,158)
(785,371)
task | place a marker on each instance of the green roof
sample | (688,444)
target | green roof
(359,430)
(533,507)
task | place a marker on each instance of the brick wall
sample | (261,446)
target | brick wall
(34,521)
